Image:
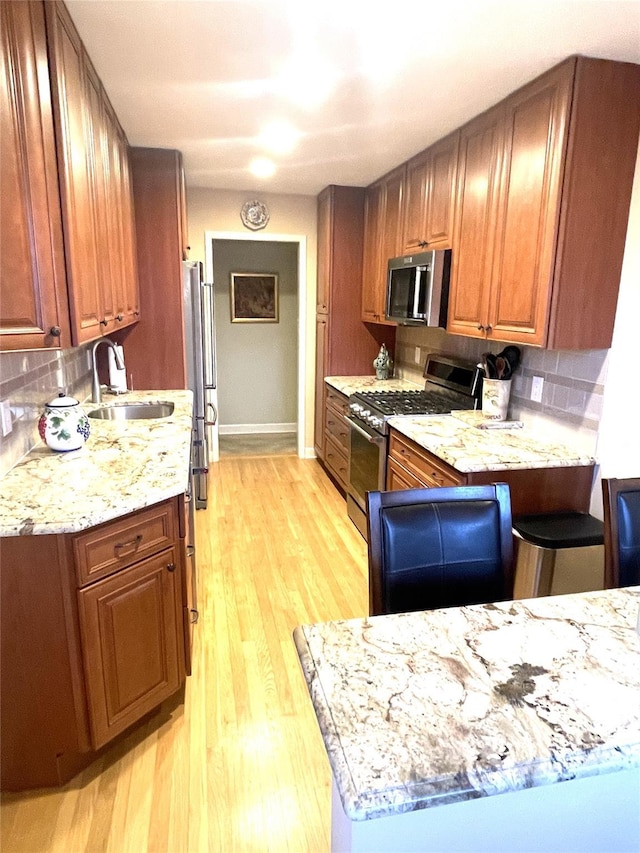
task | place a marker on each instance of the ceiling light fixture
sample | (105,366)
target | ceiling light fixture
(279,137)
(262,167)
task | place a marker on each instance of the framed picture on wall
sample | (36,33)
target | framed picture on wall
(254,297)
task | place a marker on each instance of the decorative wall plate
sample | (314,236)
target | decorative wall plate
(254,215)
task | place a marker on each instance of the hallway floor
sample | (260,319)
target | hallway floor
(258,444)
(241,765)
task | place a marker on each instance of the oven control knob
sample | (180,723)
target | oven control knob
(375,422)
(364,414)
(355,408)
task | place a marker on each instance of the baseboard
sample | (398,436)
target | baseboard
(248,429)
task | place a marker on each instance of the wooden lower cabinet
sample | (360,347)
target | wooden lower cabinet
(336,436)
(82,659)
(410,466)
(130,637)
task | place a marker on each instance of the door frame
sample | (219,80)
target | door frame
(301,240)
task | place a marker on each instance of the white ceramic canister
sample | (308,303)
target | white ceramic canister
(63,425)
(495,398)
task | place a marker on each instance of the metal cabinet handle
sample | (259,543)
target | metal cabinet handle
(171,567)
(480,327)
(120,318)
(190,550)
(194,615)
(103,322)
(55,331)
(132,544)
(488,328)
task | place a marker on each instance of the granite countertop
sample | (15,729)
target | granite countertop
(467,448)
(124,466)
(350,384)
(422,709)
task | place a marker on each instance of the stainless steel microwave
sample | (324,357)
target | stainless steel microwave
(418,288)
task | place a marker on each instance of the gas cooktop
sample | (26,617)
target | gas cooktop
(451,386)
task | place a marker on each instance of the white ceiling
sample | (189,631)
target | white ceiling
(366,84)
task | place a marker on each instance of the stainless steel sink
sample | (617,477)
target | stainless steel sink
(133,411)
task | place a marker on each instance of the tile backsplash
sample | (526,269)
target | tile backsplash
(574,381)
(28,380)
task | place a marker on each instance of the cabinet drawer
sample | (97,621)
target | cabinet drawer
(339,402)
(422,464)
(399,478)
(336,461)
(336,427)
(121,543)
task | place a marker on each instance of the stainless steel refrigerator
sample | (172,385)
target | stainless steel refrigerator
(199,325)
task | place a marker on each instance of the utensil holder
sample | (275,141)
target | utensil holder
(495,398)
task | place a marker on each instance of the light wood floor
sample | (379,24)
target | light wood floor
(241,766)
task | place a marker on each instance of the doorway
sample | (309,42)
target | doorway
(260,364)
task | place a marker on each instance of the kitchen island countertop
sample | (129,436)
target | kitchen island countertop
(422,709)
(123,467)
(469,449)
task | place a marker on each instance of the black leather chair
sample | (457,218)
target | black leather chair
(621,500)
(441,547)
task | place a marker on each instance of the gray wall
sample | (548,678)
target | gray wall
(257,362)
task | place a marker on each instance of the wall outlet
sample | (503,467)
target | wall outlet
(537,384)
(6,424)
(417,356)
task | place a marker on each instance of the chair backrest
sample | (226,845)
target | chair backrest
(441,547)
(621,501)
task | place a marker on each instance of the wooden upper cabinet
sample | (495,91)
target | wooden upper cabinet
(95,192)
(392,221)
(384,216)
(33,302)
(441,190)
(372,307)
(429,196)
(71,97)
(536,121)
(474,229)
(325,255)
(544,186)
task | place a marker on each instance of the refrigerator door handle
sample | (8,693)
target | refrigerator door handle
(209,343)
(215,415)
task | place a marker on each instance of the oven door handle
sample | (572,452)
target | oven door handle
(374,439)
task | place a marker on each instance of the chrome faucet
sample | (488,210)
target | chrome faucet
(96,395)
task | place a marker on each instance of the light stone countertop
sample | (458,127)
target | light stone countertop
(422,709)
(124,466)
(351,384)
(467,448)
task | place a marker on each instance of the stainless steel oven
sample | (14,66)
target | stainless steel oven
(451,384)
(367,469)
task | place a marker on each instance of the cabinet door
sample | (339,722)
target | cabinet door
(131,627)
(33,304)
(321,355)
(373,214)
(415,202)
(392,221)
(536,125)
(130,261)
(75,145)
(324,251)
(475,217)
(441,191)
